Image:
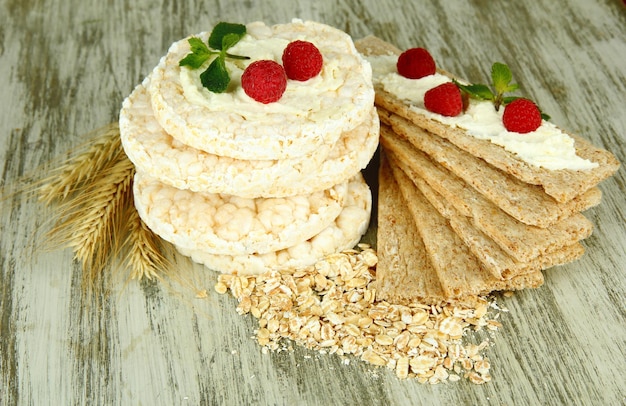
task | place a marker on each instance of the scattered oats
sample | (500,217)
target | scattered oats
(331,307)
(202,294)
(402,367)
(422,364)
(384,340)
(221,288)
(373,358)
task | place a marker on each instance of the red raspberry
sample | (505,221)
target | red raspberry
(302,60)
(521,116)
(264,81)
(415,63)
(444,99)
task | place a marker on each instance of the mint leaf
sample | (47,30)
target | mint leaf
(199,54)
(198,46)
(216,77)
(224,36)
(229,40)
(477,91)
(221,30)
(501,76)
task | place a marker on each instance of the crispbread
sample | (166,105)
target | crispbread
(344,233)
(156,153)
(526,203)
(404,272)
(492,256)
(309,114)
(460,272)
(231,225)
(522,242)
(562,185)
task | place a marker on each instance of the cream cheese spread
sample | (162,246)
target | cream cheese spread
(314,99)
(547,147)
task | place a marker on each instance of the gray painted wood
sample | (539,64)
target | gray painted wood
(65,67)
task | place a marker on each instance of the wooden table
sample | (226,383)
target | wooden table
(66,66)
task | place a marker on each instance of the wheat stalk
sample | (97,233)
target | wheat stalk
(92,191)
(79,169)
(145,249)
(91,219)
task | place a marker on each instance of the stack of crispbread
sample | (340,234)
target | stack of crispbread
(245,187)
(460,216)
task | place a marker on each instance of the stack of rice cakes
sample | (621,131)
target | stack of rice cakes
(244,187)
(479,218)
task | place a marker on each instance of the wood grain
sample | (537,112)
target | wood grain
(66,66)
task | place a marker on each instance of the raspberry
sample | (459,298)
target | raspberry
(264,81)
(415,63)
(444,99)
(521,116)
(302,60)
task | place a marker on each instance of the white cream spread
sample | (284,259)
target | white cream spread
(316,99)
(547,147)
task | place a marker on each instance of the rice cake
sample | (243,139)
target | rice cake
(493,258)
(526,203)
(521,241)
(309,115)
(344,233)
(228,224)
(561,184)
(156,153)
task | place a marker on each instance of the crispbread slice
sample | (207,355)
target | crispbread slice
(492,256)
(562,185)
(519,240)
(404,272)
(526,203)
(460,272)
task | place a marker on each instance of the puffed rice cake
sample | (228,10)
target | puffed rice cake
(155,152)
(309,115)
(343,233)
(228,224)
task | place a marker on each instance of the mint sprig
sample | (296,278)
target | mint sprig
(501,78)
(223,37)
(501,83)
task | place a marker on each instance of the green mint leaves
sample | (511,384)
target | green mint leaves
(501,82)
(223,30)
(501,78)
(199,54)
(223,37)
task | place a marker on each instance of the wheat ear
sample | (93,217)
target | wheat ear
(75,172)
(145,249)
(93,197)
(91,225)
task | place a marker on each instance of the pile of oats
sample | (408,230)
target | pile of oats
(331,307)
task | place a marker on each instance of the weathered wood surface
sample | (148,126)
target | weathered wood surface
(65,67)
